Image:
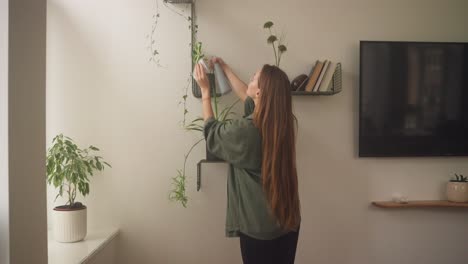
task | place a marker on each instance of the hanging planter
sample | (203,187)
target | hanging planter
(196,89)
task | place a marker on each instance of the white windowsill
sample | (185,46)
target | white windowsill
(82,251)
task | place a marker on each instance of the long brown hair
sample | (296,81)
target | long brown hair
(274,118)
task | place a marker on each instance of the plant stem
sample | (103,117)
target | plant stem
(189,80)
(215,103)
(74,193)
(280,42)
(69,195)
(188,154)
(152,46)
(228,111)
(274,49)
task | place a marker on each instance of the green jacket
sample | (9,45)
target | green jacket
(239,143)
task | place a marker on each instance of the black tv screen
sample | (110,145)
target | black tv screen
(413,99)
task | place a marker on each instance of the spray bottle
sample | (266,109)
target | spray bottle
(224,86)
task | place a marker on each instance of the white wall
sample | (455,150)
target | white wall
(102,90)
(26,131)
(4,215)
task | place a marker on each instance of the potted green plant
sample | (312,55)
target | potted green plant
(457,189)
(223,116)
(68,170)
(179,181)
(199,57)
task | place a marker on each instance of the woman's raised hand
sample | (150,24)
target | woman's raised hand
(219,61)
(202,79)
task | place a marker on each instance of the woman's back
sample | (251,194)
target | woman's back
(263,206)
(240,144)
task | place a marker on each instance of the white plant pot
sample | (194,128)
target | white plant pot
(69,225)
(457,192)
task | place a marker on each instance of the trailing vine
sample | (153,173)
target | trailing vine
(152,47)
(178,193)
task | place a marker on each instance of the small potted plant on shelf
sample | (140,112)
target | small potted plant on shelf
(457,189)
(199,57)
(69,169)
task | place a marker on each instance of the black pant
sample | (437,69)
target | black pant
(281,250)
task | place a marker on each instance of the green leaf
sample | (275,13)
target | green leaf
(198,119)
(193,125)
(178,193)
(195,129)
(282,48)
(271,39)
(93,148)
(268,24)
(99,165)
(56,197)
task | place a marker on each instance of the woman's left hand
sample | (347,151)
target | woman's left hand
(202,79)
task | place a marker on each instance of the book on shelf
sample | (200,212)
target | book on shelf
(327,77)
(322,73)
(314,76)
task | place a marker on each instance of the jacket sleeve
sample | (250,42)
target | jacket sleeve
(227,141)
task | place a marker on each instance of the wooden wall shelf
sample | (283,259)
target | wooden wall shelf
(303,93)
(419,204)
(333,88)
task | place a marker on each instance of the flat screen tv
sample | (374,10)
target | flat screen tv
(413,99)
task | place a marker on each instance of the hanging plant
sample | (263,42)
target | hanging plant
(151,38)
(178,192)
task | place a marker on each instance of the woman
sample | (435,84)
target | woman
(263,202)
